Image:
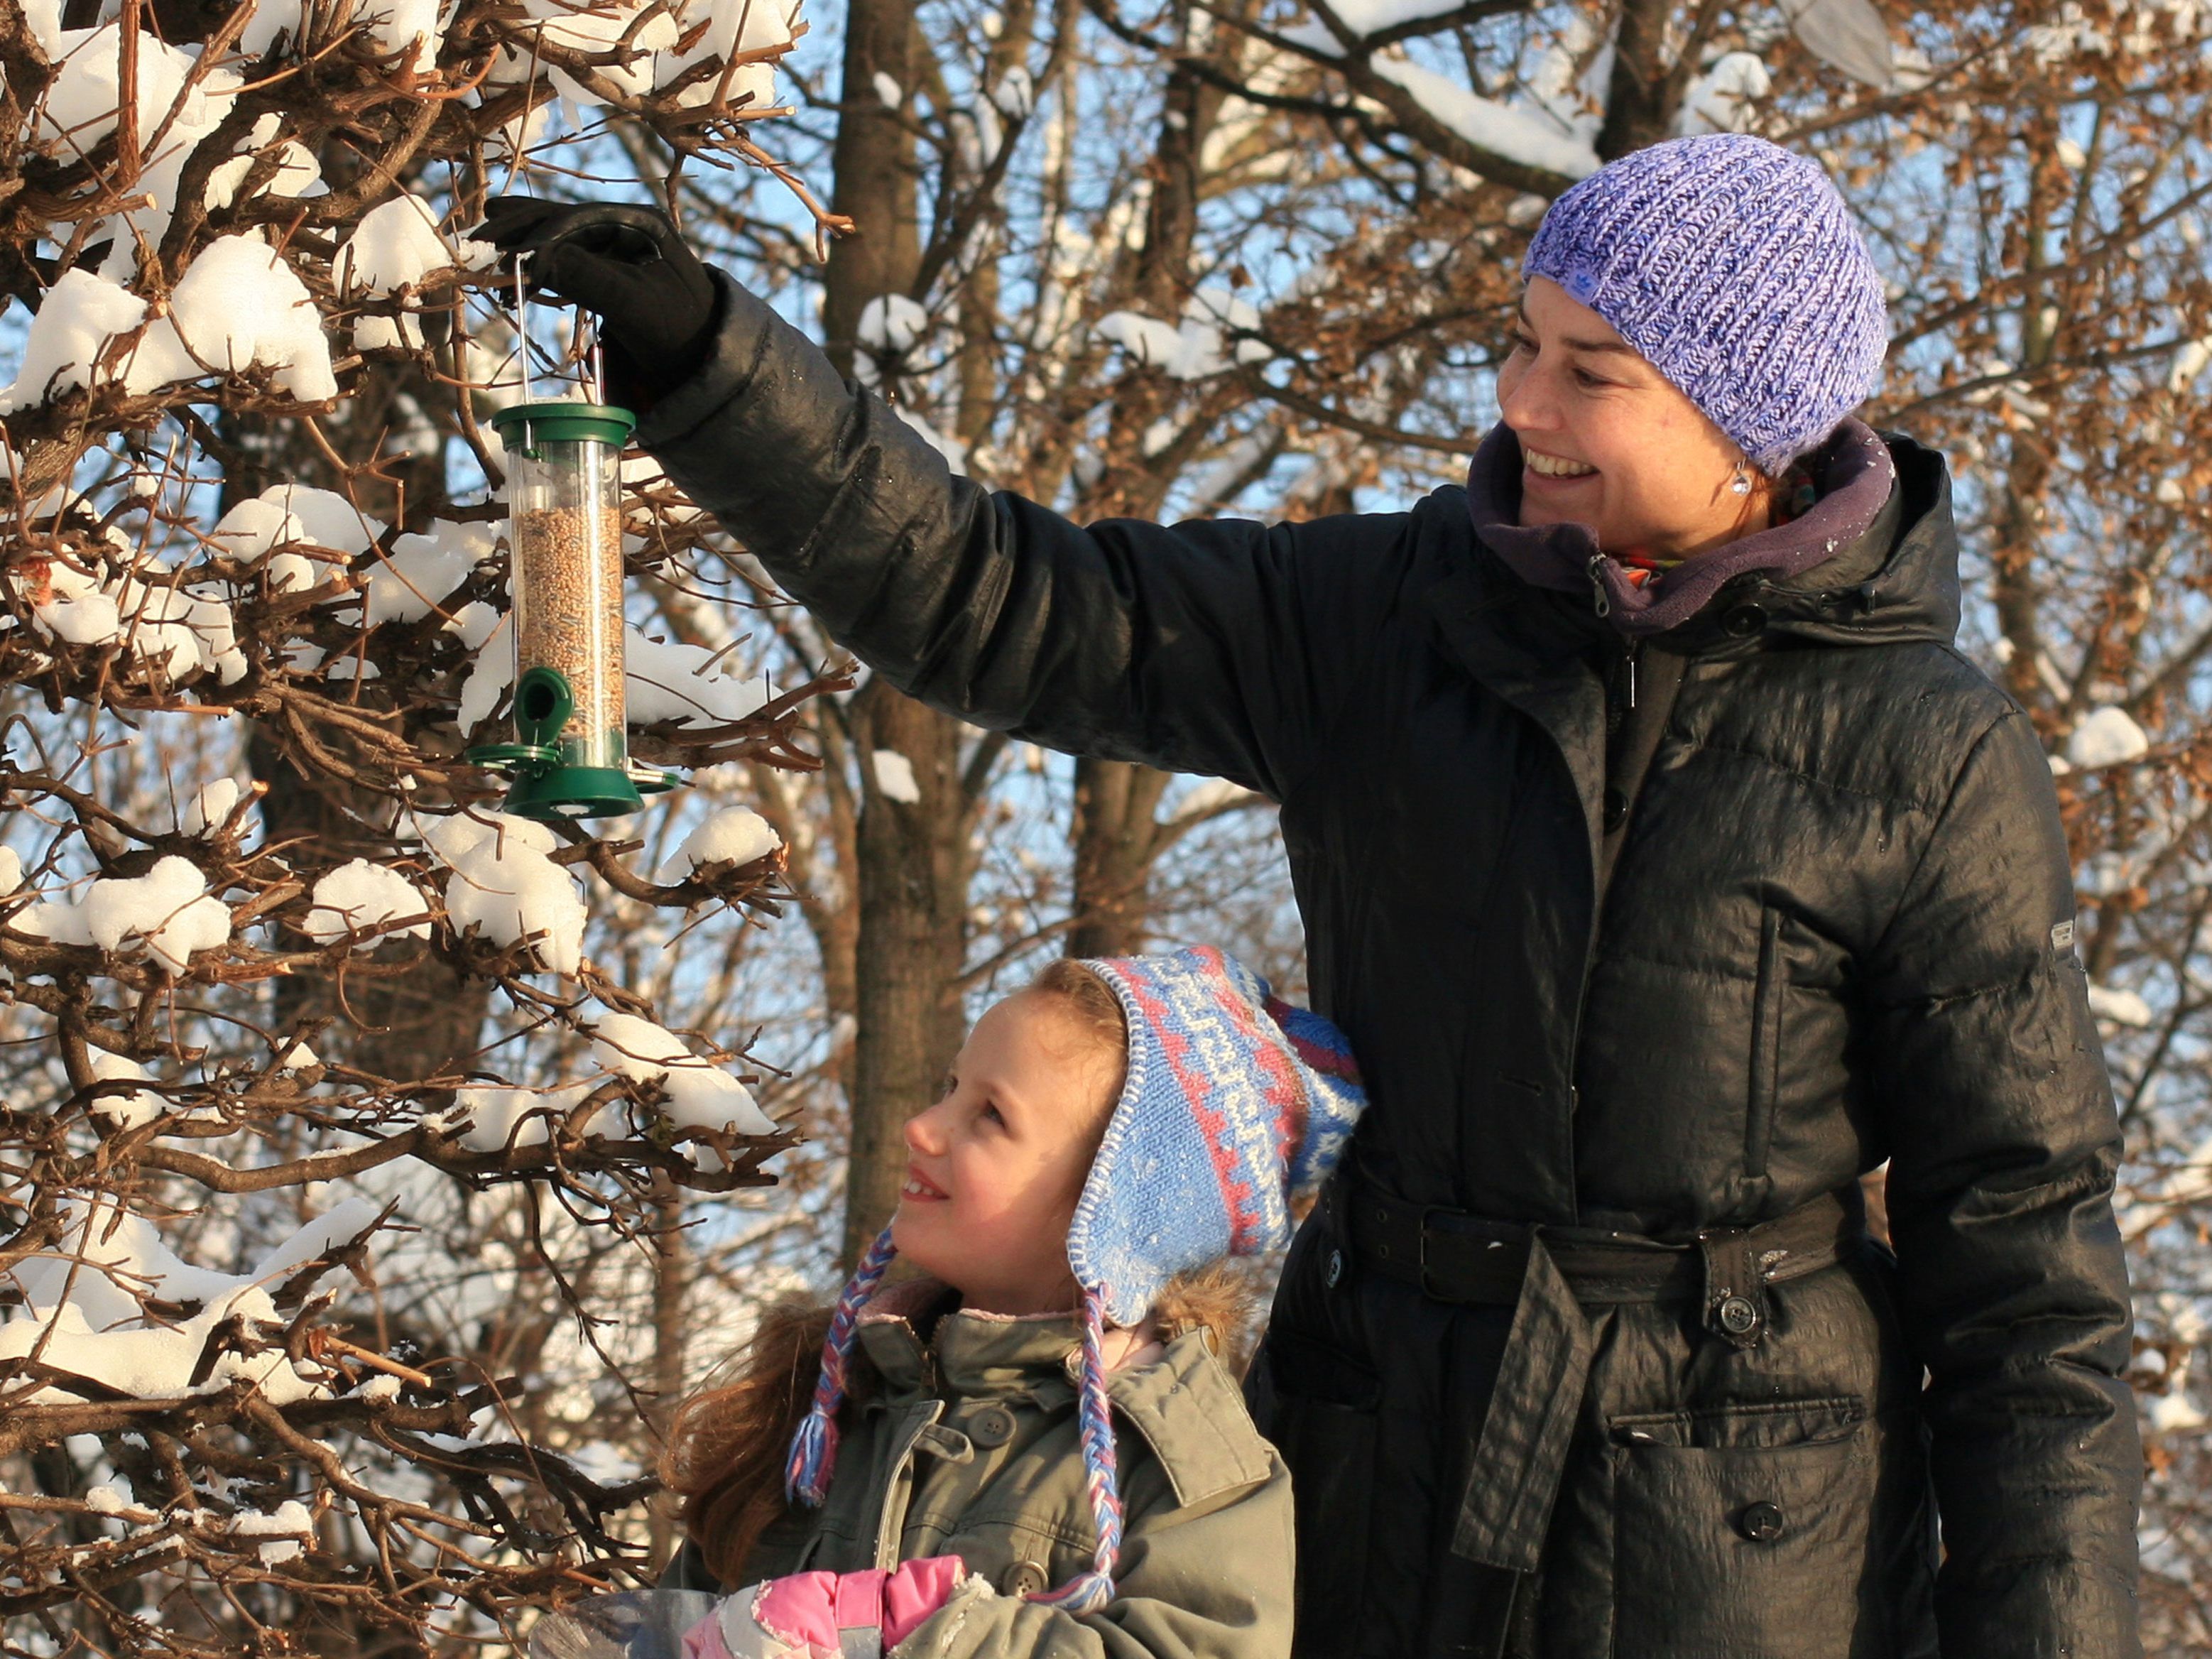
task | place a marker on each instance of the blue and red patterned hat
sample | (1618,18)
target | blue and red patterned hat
(1234,1103)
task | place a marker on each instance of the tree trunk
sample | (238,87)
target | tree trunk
(1645,92)
(427,1022)
(874,172)
(912,946)
(1116,837)
(672,1272)
(1115,833)
(911,883)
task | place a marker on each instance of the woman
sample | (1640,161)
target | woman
(1667,868)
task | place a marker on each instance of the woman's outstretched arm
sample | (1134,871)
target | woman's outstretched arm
(1219,647)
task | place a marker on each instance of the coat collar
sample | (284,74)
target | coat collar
(1897,579)
(1176,1396)
(1855,476)
(919,1342)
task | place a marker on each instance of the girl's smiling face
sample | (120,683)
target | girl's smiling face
(996,1167)
(1609,441)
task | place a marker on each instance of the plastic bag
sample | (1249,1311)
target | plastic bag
(638,1625)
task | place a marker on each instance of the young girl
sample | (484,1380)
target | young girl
(1032,1448)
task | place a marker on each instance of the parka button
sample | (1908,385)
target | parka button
(1739,1315)
(990,1427)
(1023,1579)
(1616,809)
(1743,621)
(1336,1269)
(1760,1522)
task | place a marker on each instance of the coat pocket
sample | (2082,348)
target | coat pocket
(1746,1533)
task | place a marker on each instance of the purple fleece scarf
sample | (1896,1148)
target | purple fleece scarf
(1853,473)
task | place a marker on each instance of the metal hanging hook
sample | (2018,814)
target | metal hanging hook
(522,327)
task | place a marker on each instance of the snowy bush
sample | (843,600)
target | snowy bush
(303,1096)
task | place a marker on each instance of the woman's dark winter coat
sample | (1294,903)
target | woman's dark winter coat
(1838,930)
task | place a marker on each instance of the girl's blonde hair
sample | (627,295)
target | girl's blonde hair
(727,1445)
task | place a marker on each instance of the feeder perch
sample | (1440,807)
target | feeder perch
(570,757)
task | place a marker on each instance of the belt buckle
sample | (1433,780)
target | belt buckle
(1421,1255)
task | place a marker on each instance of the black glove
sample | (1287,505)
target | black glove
(656,303)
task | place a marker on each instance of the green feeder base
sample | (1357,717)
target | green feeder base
(573,792)
(540,784)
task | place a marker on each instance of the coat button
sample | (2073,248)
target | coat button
(1738,1317)
(992,1426)
(1743,621)
(1336,1269)
(1616,809)
(1760,1522)
(1023,1579)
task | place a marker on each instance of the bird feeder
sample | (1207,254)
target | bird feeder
(570,756)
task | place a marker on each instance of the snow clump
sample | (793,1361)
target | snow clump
(891,322)
(2120,1008)
(240,305)
(422,568)
(119,1112)
(81,1312)
(664,680)
(210,808)
(83,106)
(491,1119)
(364,900)
(168,910)
(297,175)
(169,907)
(735,835)
(1200,347)
(408,26)
(396,245)
(700,1094)
(2110,736)
(1721,98)
(285,516)
(80,315)
(895,776)
(287,1531)
(506,886)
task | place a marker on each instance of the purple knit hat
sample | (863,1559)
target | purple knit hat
(1232,1101)
(1734,267)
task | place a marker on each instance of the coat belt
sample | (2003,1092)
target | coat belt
(1546,1275)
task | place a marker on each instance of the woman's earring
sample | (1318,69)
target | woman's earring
(1742,483)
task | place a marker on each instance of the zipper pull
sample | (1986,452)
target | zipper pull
(1633,645)
(1603,600)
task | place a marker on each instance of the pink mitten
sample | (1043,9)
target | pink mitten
(808,1615)
(704,1639)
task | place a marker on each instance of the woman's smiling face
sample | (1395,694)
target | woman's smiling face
(994,1168)
(1609,441)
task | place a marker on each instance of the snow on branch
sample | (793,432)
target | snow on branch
(283,994)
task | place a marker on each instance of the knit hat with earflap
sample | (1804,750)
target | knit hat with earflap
(1733,266)
(1234,1102)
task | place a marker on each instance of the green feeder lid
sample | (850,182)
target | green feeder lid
(565,422)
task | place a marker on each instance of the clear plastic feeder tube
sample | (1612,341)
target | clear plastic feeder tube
(564,531)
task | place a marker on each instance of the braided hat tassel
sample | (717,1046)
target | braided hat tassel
(814,1448)
(1089,1592)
